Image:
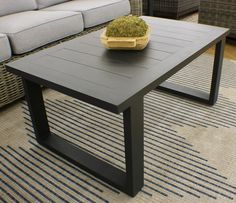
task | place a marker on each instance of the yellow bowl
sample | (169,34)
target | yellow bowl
(125,43)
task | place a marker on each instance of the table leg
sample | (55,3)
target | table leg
(134,147)
(208,98)
(130,181)
(34,97)
(218,61)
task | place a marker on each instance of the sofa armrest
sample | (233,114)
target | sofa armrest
(136,7)
(5,49)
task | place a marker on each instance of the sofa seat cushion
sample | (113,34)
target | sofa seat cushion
(95,11)
(46,3)
(32,29)
(5,49)
(14,6)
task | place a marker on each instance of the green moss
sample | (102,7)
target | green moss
(127,26)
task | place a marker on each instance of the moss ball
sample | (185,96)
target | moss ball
(127,26)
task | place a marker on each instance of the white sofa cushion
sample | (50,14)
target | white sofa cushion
(5,49)
(32,29)
(14,6)
(95,11)
(46,3)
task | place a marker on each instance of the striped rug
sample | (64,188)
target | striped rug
(190,148)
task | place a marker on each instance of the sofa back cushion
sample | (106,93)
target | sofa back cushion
(14,6)
(47,3)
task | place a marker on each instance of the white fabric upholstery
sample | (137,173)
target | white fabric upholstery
(32,29)
(46,3)
(95,11)
(5,49)
(14,6)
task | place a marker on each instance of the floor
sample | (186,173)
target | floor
(230,50)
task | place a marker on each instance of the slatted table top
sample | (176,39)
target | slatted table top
(112,80)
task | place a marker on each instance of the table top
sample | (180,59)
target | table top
(113,80)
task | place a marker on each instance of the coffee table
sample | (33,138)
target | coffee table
(117,81)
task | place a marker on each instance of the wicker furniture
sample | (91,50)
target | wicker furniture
(11,87)
(170,8)
(219,12)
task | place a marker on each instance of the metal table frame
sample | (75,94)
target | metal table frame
(208,98)
(132,180)
(36,72)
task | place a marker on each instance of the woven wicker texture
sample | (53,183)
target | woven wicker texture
(11,87)
(136,7)
(219,12)
(172,8)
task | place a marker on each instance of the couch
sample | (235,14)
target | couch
(29,25)
(171,8)
(220,13)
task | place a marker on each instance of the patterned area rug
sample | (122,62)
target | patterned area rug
(190,148)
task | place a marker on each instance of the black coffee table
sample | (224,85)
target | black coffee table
(117,81)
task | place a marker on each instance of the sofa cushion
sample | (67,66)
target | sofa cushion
(46,3)
(32,29)
(95,11)
(5,49)
(14,6)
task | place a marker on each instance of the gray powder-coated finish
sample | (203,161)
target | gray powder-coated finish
(112,80)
